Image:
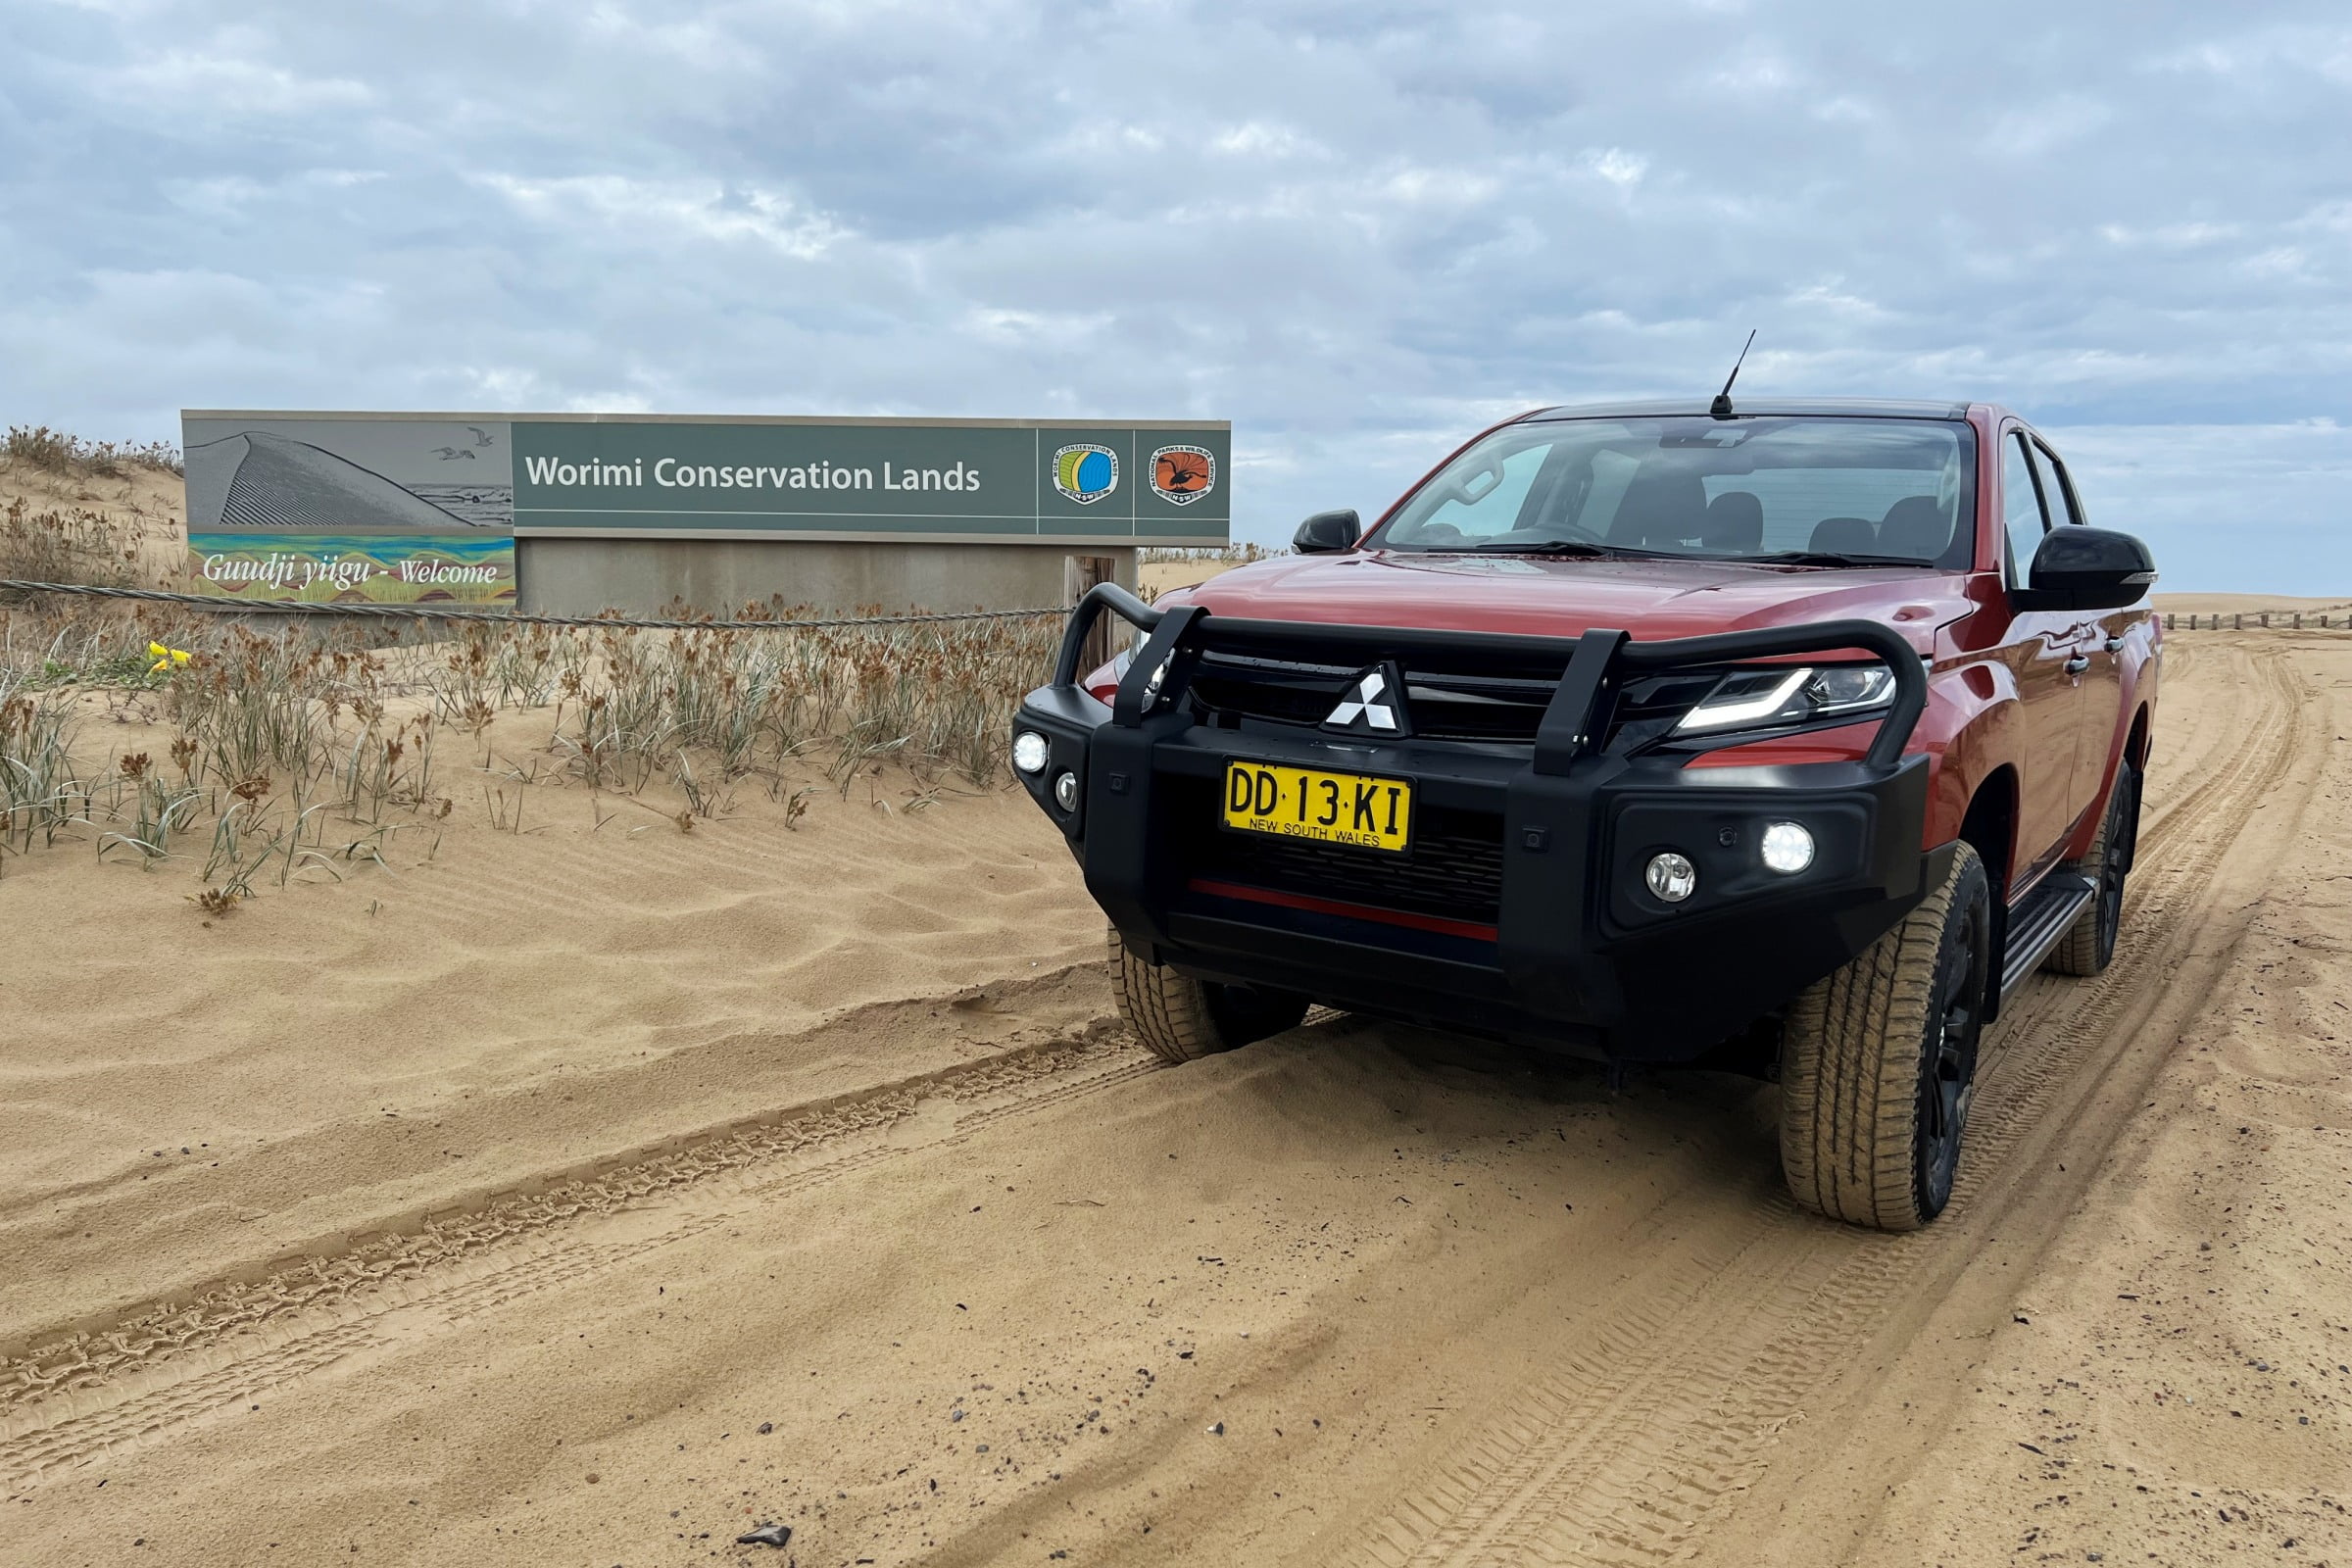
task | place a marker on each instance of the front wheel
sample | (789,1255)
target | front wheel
(1182,1018)
(1878,1062)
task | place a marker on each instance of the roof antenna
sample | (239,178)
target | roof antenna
(1721,407)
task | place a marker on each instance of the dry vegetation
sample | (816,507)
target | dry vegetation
(48,451)
(87,512)
(1239,555)
(67,545)
(302,748)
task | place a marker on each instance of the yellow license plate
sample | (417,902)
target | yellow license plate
(1303,803)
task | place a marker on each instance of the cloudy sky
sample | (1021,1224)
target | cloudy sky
(1359,231)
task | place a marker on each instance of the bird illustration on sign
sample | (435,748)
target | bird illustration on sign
(1183,475)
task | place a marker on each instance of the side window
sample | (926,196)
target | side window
(2054,486)
(2020,507)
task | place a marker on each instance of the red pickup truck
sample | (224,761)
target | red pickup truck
(1786,738)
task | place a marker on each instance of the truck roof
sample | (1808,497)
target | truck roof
(1749,406)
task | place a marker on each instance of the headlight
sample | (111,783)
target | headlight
(1764,699)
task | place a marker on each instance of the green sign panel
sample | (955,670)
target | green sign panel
(417,506)
(910,480)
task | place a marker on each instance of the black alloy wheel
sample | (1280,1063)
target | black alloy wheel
(1948,1062)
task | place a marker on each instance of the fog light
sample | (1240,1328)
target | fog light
(1788,848)
(1671,877)
(1065,792)
(1029,751)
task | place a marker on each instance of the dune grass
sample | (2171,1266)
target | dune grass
(291,746)
(36,446)
(68,545)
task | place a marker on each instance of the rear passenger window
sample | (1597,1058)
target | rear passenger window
(2021,509)
(2054,489)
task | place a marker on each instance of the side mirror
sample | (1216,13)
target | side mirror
(2081,567)
(1327,533)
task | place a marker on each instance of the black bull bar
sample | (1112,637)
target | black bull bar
(1579,954)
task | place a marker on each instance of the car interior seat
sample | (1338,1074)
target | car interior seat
(1660,510)
(1845,536)
(1915,526)
(1734,522)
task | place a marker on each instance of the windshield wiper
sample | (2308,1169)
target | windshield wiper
(1825,557)
(1555,547)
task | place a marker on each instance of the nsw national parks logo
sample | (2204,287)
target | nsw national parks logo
(1181,475)
(1086,473)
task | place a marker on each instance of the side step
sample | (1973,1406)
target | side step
(2035,925)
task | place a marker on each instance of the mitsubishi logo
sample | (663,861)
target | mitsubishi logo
(1374,705)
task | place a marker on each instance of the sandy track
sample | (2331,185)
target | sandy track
(1439,1303)
(176,1362)
(1630,1452)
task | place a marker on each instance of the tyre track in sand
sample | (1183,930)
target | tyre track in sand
(1670,1404)
(73,1398)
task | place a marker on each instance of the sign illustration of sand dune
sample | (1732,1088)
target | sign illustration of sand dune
(266,481)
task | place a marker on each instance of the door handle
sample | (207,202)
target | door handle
(2115,644)
(2077,665)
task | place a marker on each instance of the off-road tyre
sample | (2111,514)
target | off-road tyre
(1877,1063)
(2089,943)
(1182,1018)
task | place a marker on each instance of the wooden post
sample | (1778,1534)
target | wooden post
(2298,620)
(1078,574)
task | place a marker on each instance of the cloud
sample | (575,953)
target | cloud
(1360,231)
(2202,493)
(1618,166)
(692,209)
(2032,129)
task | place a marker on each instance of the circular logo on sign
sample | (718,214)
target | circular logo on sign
(1086,473)
(1181,475)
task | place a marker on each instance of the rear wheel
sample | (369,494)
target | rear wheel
(1878,1062)
(2090,940)
(1182,1018)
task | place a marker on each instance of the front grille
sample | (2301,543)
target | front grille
(1453,870)
(1444,705)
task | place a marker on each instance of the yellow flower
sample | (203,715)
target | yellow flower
(165,657)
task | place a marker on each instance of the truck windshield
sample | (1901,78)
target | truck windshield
(1818,490)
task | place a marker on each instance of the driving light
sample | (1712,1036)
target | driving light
(1029,751)
(1762,699)
(1065,792)
(1788,848)
(1671,877)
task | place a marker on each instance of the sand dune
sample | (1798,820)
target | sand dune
(634,1210)
(146,503)
(563,991)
